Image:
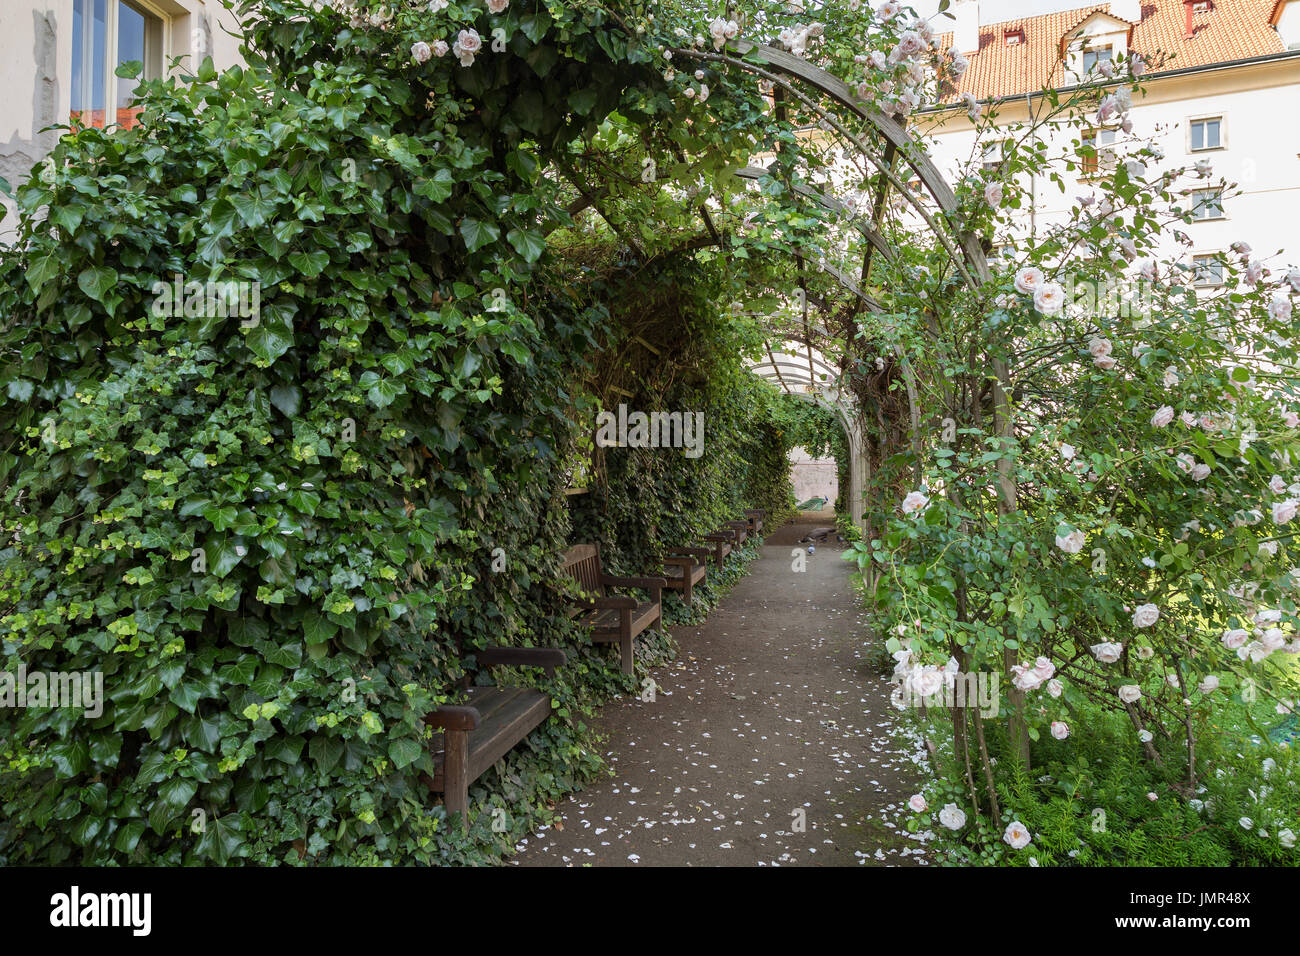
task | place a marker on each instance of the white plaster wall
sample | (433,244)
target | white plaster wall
(813,476)
(36,70)
(1262,154)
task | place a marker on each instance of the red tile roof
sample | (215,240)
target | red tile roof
(1231,30)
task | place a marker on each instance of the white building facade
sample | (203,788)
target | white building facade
(58,60)
(1227,92)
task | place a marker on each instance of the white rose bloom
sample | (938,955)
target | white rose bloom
(1108,652)
(1028,279)
(1286,838)
(1146,615)
(1016,835)
(917,803)
(1067,451)
(1234,638)
(1163,416)
(1130,693)
(1208,685)
(1060,729)
(1049,298)
(952,816)
(1054,687)
(497,6)
(1272,639)
(915,502)
(1145,736)
(1072,543)
(1284,511)
(421,52)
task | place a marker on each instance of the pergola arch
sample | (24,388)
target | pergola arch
(788,73)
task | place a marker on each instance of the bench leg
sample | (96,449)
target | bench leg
(455,775)
(625,642)
(686,584)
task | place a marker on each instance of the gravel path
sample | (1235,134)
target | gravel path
(770,718)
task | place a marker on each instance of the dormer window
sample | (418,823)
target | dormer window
(1015,37)
(1096,55)
(1201,6)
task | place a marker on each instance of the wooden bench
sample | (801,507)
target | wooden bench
(612,618)
(755,517)
(492,720)
(724,542)
(684,568)
(741,528)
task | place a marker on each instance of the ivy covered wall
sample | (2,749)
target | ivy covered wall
(274,534)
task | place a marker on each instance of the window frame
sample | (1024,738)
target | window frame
(1105,154)
(1213,257)
(1108,48)
(1191,196)
(1205,118)
(157,39)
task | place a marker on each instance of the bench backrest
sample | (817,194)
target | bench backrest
(582,563)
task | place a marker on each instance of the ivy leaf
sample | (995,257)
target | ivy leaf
(287,398)
(269,340)
(70,758)
(527,243)
(404,751)
(43,269)
(478,234)
(310,264)
(318,628)
(96,281)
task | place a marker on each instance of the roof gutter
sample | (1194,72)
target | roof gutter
(1150,77)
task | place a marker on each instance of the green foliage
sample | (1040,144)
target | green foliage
(273,533)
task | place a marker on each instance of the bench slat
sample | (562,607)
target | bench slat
(507,726)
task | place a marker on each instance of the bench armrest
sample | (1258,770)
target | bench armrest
(453,717)
(728,537)
(654,585)
(690,552)
(548,658)
(616,602)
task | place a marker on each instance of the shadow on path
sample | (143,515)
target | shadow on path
(771,709)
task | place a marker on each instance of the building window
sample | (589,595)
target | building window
(1099,54)
(1015,37)
(1207,270)
(1098,151)
(992,156)
(1207,133)
(105,35)
(1201,6)
(1207,204)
